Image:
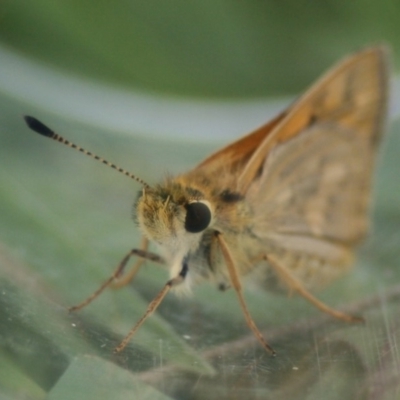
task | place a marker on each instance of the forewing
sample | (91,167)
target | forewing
(237,154)
(219,172)
(310,200)
(315,185)
(353,95)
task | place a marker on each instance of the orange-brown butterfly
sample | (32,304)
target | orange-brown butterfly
(286,203)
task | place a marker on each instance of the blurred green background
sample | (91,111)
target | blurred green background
(155,86)
(207,48)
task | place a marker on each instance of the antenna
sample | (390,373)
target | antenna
(44,130)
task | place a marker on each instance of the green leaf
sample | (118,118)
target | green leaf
(14,381)
(93,378)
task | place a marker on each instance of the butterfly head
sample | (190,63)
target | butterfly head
(174,217)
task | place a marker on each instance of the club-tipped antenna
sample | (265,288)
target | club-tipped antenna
(44,130)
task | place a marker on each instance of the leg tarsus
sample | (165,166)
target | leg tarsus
(114,278)
(235,281)
(295,285)
(153,306)
(117,272)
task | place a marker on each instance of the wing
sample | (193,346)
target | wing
(353,94)
(310,194)
(223,167)
(238,153)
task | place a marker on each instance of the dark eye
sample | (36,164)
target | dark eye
(198,217)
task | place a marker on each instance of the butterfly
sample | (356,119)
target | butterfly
(287,204)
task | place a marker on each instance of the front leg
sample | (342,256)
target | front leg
(236,284)
(142,253)
(177,280)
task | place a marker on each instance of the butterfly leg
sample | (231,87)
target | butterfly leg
(235,281)
(177,280)
(128,277)
(142,253)
(295,285)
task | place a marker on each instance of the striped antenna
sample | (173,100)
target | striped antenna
(44,130)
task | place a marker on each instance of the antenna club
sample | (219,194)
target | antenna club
(38,126)
(44,130)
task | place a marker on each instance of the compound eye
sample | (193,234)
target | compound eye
(198,217)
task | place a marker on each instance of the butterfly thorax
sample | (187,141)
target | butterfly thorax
(182,216)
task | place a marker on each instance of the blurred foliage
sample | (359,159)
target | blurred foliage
(65,220)
(209,48)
